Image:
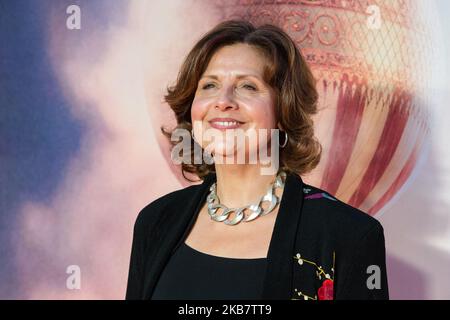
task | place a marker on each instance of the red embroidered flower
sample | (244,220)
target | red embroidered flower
(325,292)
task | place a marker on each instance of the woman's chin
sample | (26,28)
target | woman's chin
(231,157)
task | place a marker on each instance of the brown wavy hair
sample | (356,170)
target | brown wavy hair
(286,72)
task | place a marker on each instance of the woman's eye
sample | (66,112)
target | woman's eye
(248,86)
(206,86)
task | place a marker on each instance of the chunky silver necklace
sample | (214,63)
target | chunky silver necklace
(255,209)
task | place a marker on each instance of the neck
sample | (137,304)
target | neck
(241,184)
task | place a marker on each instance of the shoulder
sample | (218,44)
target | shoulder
(326,213)
(150,214)
(344,240)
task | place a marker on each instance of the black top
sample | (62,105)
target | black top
(194,275)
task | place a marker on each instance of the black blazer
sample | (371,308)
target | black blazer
(320,247)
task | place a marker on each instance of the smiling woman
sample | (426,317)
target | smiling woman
(242,234)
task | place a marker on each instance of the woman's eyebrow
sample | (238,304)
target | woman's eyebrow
(239,76)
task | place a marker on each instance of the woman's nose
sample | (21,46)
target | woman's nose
(225,100)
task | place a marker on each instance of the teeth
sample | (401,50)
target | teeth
(227,123)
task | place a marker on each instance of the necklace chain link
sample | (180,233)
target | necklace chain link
(256,210)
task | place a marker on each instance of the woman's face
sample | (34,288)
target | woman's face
(232,95)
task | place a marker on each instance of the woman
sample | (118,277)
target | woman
(247,232)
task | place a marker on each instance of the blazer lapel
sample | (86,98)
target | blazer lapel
(279,274)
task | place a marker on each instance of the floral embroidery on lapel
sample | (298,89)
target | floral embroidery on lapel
(326,291)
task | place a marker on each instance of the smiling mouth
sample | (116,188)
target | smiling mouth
(225,124)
